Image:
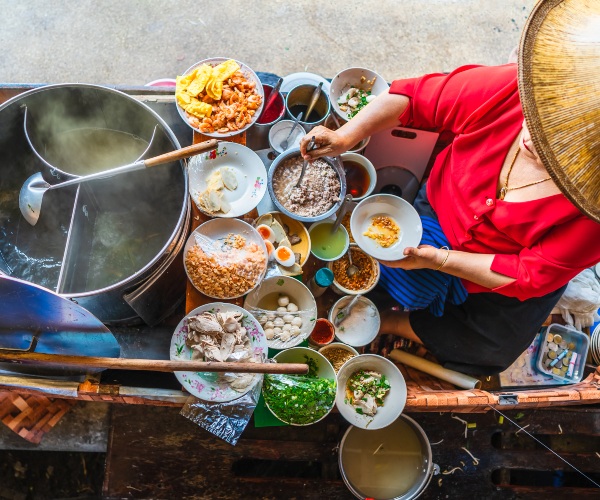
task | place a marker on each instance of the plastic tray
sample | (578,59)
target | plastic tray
(570,348)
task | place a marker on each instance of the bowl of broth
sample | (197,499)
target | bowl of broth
(361,175)
(325,245)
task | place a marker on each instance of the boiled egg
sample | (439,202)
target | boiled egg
(284,256)
(270,249)
(266,232)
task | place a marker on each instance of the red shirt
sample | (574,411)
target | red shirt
(541,243)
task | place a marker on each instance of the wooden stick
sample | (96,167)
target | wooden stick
(179,154)
(155,365)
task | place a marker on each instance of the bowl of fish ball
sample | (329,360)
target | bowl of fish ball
(286,310)
(229,181)
(301,399)
(225,258)
(320,193)
(354,88)
(338,353)
(371,391)
(383,225)
(365,277)
(219,97)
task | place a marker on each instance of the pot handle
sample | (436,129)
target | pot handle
(180,154)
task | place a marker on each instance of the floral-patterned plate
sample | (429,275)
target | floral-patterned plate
(248,169)
(212,386)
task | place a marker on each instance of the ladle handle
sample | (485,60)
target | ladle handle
(343,209)
(182,153)
(154,365)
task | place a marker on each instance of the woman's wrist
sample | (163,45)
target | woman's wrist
(442,256)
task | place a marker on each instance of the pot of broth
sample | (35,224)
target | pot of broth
(394,462)
(110,245)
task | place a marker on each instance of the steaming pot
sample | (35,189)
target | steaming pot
(112,245)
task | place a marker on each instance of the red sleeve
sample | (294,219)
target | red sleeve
(549,264)
(450,102)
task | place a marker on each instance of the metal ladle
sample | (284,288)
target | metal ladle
(310,147)
(34,188)
(343,209)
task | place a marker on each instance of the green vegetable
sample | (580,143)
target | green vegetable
(299,400)
(313,369)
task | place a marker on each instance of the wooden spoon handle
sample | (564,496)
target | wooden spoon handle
(155,365)
(182,153)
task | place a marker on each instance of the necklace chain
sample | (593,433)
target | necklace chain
(505,189)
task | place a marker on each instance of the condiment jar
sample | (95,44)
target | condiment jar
(323,333)
(320,282)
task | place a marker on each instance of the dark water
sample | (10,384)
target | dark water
(357,178)
(315,116)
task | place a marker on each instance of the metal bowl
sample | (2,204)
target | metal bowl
(334,162)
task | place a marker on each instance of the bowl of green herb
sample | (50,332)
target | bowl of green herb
(301,399)
(371,391)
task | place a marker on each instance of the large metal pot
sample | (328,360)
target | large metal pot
(393,463)
(110,245)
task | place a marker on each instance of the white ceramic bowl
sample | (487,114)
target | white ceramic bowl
(340,345)
(314,246)
(394,401)
(365,330)
(248,168)
(351,77)
(367,165)
(403,213)
(281,130)
(248,73)
(299,355)
(209,236)
(298,293)
(341,290)
(212,386)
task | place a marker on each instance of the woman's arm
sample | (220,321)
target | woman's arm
(381,114)
(474,267)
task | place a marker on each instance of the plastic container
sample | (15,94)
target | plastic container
(320,282)
(562,353)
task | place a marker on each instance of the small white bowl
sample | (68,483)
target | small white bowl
(340,345)
(299,355)
(403,213)
(363,333)
(351,77)
(367,165)
(313,244)
(341,290)
(393,403)
(279,132)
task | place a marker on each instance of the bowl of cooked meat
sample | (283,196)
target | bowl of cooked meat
(317,196)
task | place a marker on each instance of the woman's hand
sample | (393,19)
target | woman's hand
(422,257)
(328,143)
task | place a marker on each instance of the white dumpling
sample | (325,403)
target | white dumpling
(295,331)
(291,307)
(297,321)
(288,318)
(269,333)
(283,300)
(262,319)
(285,336)
(279,322)
(271,316)
(269,324)
(287,327)
(282,309)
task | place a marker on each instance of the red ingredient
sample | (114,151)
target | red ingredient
(275,110)
(323,332)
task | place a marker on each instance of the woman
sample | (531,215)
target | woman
(513,221)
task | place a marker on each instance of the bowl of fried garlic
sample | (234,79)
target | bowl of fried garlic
(219,97)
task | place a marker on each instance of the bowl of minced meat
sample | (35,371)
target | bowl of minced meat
(320,193)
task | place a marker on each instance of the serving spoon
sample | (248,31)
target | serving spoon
(284,144)
(34,188)
(352,269)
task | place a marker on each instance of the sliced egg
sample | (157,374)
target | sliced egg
(270,249)
(285,256)
(266,232)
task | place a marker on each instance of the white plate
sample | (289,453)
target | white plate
(394,402)
(211,386)
(249,170)
(405,215)
(295,79)
(248,73)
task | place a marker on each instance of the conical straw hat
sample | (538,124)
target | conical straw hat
(559,86)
